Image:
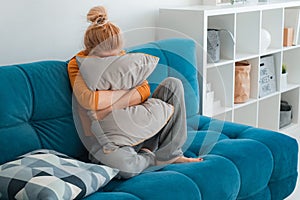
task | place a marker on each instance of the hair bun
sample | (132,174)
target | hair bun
(97,15)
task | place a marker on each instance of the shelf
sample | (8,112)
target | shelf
(245,56)
(291,47)
(269,96)
(221,110)
(290,86)
(268,112)
(291,17)
(220,63)
(270,51)
(247,24)
(288,127)
(225,25)
(272,22)
(221,83)
(292,97)
(239,105)
(251,117)
(247,33)
(291,59)
(227,116)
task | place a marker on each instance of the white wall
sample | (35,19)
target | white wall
(53,29)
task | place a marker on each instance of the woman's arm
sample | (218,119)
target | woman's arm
(87,98)
(99,100)
(131,98)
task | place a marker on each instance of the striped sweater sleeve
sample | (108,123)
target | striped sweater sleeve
(87,98)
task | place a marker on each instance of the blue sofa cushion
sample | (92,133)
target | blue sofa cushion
(50,88)
(216,177)
(111,196)
(46,174)
(167,185)
(16,110)
(36,110)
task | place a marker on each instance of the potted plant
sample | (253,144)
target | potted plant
(283,78)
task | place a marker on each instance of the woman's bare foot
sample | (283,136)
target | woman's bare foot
(184,159)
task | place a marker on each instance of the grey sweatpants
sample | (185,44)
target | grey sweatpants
(166,144)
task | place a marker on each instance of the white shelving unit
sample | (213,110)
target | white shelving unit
(245,22)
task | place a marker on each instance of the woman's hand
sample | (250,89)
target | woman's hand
(127,98)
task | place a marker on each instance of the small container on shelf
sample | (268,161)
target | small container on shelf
(289,108)
(220,38)
(283,78)
(242,82)
(214,44)
(286,114)
(209,108)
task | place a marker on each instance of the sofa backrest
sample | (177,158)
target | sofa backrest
(177,59)
(36,110)
(36,99)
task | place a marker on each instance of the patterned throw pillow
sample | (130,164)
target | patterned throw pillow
(47,174)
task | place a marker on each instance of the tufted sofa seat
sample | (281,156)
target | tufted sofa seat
(240,162)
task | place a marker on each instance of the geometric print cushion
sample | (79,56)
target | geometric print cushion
(47,174)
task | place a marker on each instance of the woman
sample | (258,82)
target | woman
(103,38)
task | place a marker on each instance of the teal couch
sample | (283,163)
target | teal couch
(240,162)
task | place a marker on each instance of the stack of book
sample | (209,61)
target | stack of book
(292,24)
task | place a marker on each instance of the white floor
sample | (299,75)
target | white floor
(295,133)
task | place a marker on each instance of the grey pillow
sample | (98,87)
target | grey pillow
(134,124)
(116,72)
(47,174)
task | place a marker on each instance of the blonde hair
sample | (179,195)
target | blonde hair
(101,35)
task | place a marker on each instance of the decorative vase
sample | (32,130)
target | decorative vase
(283,81)
(265,40)
(209,103)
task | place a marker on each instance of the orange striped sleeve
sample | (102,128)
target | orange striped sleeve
(144,90)
(87,98)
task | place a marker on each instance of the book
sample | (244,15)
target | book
(292,20)
(267,81)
